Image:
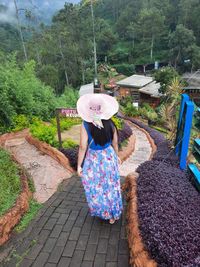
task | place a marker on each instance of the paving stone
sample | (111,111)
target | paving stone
(56,231)
(49,245)
(73,215)
(43,236)
(87,264)
(82,242)
(35,250)
(64,262)
(114,237)
(55,215)
(80,221)
(100,260)
(56,202)
(50,265)
(123,234)
(94,237)
(112,252)
(62,240)
(74,235)
(63,211)
(41,259)
(112,264)
(83,212)
(77,258)
(90,252)
(56,254)
(49,211)
(69,248)
(123,260)
(50,223)
(105,231)
(102,245)
(26,263)
(62,219)
(86,228)
(68,226)
(123,246)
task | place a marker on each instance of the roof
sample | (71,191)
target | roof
(136,81)
(151,89)
(86,89)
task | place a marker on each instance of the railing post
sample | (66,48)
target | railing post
(184,99)
(186,134)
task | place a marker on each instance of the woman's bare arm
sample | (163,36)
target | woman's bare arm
(82,147)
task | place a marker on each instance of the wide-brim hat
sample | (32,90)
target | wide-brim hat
(107,106)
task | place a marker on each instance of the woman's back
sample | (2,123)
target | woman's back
(103,137)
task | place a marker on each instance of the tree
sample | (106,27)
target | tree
(165,76)
(180,42)
(150,26)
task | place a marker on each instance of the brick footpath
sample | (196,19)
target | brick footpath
(64,234)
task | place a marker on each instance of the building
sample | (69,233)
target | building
(86,89)
(193,86)
(141,88)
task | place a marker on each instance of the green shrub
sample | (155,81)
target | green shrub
(20,122)
(69,143)
(66,123)
(43,132)
(124,68)
(9,181)
(118,122)
(34,207)
(130,110)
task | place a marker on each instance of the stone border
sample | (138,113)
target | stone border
(139,256)
(12,217)
(50,151)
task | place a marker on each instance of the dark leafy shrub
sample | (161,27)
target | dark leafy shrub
(168,208)
(72,155)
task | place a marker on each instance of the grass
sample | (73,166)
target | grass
(9,181)
(34,207)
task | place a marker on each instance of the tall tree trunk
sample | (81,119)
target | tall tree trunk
(176,60)
(20,30)
(152,46)
(63,58)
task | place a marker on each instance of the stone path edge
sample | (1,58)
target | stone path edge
(12,217)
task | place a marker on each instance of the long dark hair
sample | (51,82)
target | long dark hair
(103,135)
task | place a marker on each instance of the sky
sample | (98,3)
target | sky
(47,7)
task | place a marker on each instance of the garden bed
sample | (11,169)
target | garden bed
(168,210)
(15,195)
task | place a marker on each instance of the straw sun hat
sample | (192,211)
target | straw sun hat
(96,107)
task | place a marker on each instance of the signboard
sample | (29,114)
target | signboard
(69,112)
(64,112)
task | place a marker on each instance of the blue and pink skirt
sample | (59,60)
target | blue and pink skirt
(101,182)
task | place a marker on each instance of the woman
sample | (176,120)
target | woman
(97,159)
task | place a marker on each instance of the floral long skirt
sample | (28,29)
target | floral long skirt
(101,182)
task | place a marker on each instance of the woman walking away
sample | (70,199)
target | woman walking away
(97,159)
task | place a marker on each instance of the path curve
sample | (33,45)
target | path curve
(141,153)
(46,172)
